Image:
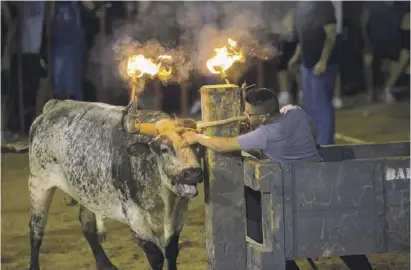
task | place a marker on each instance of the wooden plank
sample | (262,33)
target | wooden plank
(223,183)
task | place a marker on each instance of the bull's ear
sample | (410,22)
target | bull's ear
(138,148)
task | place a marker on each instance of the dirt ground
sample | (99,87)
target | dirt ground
(65,248)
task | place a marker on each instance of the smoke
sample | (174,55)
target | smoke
(189,31)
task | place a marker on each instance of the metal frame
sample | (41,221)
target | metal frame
(343,206)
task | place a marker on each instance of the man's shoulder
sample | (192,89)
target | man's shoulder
(289,116)
(295,114)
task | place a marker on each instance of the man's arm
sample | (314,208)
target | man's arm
(254,140)
(219,144)
(296,56)
(330,34)
(330,30)
(313,129)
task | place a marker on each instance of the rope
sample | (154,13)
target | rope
(201,125)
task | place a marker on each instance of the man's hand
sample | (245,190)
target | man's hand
(319,68)
(287,108)
(218,144)
(292,64)
(190,137)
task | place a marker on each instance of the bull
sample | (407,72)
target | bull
(142,180)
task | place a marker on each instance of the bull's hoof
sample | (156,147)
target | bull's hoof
(34,266)
(102,237)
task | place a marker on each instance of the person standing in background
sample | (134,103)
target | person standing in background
(67,49)
(315,24)
(338,96)
(386,36)
(34,69)
(288,44)
(9,45)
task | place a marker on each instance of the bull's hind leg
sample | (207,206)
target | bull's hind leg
(89,228)
(153,253)
(40,199)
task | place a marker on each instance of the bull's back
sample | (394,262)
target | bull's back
(81,148)
(79,118)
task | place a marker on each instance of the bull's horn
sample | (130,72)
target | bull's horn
(131,125)
(153,129)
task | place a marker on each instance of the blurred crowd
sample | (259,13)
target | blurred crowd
(336,48)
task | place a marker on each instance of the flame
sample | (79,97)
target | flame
(224,58)
(138,65)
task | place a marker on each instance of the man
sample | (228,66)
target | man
(386,34)
(285,136)
(67,48)
(316,32)
(338,8)
(287,44)
(9,41)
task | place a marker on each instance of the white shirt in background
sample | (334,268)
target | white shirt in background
(338,7)
(32,26)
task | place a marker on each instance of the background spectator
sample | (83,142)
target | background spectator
(316,24)
(67,46)
(386,35)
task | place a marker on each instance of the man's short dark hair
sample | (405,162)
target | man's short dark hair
(263,99)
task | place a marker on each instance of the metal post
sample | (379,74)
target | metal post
(224,183)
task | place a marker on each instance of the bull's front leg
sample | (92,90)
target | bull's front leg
(171,252)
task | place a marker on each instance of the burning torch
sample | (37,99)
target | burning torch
(224,58)
(138,68)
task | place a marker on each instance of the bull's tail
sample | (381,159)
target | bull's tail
(20,146)
(14,148)
(50,104)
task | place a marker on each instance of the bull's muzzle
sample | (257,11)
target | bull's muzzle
(190,176)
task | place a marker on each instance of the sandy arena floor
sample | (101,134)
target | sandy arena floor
(65,248)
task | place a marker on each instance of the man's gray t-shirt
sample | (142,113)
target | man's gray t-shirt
(286,140)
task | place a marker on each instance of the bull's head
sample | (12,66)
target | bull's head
(177,161)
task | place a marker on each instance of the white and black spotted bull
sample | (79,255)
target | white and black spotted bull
(83,149)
